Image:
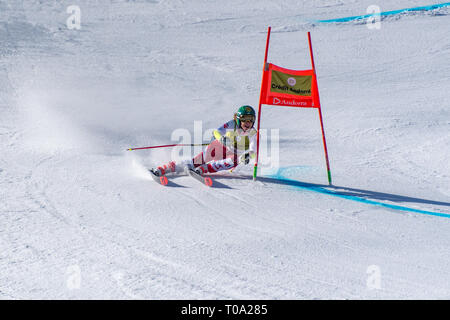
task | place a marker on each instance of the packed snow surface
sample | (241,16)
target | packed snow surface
(80,217)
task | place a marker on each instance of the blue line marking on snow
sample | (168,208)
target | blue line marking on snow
(387,13)
(322,189)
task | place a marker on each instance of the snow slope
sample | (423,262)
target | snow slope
(81,219)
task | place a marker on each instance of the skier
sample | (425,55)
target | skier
(234,143)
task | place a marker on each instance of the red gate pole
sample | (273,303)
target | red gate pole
(320,110)
(255,169)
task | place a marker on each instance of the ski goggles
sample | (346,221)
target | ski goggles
(247,119)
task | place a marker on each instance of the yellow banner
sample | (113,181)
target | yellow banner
(284,83)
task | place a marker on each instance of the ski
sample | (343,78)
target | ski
(162,180)
(205,180)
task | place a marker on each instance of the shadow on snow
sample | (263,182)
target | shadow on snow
(345,192)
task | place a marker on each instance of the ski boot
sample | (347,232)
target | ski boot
(163,170)
(201,169)
(174,168)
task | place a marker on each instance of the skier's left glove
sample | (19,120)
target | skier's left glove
(245,158)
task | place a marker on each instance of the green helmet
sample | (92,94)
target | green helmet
(244,112)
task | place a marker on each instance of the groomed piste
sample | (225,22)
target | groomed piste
(81,217)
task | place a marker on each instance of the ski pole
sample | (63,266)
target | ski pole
(168,145)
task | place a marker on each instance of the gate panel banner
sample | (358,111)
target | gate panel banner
(292,88)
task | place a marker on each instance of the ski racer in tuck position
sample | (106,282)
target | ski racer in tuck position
(234,143)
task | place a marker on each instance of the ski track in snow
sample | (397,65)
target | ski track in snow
(73,100)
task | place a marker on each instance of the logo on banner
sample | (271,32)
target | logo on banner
(289,102)
(291,81)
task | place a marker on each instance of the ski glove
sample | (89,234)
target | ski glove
(245,158)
